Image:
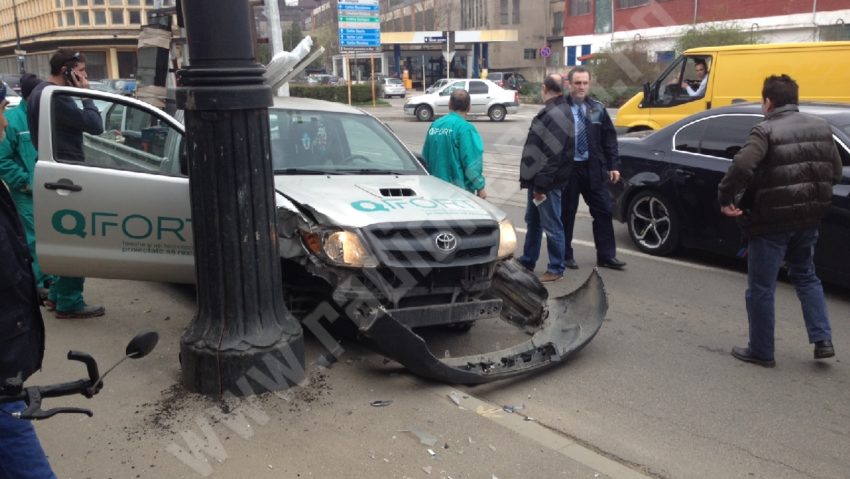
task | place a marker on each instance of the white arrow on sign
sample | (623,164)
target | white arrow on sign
(449,56)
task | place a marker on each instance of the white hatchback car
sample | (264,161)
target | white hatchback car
(487,99)
(392,87)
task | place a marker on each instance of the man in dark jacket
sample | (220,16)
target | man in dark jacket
(67,68)
(779,187)
(597,162)
(21,338)
(547,160)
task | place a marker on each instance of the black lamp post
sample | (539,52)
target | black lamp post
(242,338)
(18,51)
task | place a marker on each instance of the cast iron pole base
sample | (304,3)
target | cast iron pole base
(242,339)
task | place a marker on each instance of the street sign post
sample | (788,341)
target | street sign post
(545,52)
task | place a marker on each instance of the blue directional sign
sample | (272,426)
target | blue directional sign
(359,24)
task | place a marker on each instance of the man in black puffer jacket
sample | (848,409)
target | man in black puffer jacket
(779,187)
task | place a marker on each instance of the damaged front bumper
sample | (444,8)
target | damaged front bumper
(560,328)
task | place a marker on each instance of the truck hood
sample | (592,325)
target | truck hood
(356,201)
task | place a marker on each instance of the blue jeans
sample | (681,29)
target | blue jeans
(766,253)
(21,455)
(546,217)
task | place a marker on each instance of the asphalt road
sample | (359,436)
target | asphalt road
(658,387)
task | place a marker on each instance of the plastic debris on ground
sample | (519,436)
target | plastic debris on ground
(424,437)
(427,469)
(455,397)
(431,452)
(381,403)
(508,408)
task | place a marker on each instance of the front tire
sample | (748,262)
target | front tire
(653,224)
(424,113)
(497,113)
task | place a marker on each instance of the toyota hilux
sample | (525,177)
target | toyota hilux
(359,221)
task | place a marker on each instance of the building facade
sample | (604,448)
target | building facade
(593,25)
(106,31)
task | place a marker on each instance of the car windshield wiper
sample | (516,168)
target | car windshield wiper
(305,171)
(373,171)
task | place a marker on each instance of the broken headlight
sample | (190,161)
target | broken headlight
(507,238)
(343,248)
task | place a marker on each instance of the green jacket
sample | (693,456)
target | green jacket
(455,153)
(17,154)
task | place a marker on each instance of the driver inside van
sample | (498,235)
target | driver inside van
(701,70)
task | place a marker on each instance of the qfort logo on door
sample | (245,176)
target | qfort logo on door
(138,233)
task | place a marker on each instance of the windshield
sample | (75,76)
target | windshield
(315,142)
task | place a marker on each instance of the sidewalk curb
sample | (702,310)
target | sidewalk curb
(529,428)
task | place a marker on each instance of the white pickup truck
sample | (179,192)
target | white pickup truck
(359,222)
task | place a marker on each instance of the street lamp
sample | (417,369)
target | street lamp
(19,52)
(242,338)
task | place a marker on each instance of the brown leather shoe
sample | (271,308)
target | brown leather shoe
(550,277)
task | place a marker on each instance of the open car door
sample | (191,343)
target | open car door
(111,194)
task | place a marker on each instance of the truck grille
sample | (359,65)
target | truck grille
(434,244)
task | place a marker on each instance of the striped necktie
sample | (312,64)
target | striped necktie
(581,133)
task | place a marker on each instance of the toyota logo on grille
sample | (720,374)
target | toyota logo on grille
(446,242)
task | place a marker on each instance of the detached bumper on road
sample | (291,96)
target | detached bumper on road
(562,327)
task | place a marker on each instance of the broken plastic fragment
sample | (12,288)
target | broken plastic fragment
(427,469)
(512,409)
(424,437)
(381,403)
(431,452)
(455,398)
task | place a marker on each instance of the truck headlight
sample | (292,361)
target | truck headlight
(507,238)
(343,248)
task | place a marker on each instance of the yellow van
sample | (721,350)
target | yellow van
(734,74)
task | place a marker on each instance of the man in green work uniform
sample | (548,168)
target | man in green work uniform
(17,166)
(453,148)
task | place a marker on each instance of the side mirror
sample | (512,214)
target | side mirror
(647,94)
(142,344)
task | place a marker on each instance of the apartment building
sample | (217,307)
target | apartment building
(106,31)
(592,25)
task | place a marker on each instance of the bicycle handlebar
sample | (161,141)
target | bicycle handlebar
(33,395)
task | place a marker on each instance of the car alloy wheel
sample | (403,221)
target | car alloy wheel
(424,113)
(497,113)
(652,223)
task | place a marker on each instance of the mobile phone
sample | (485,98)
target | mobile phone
(69,78)
(540,201)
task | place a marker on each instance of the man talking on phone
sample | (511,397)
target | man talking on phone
(67,68)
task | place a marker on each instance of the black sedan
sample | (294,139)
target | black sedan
(668,196)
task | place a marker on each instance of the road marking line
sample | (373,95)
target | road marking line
(531,429)
(660,259)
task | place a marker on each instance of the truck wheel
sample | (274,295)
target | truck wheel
(424,113)
(497,113)
(653,225)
